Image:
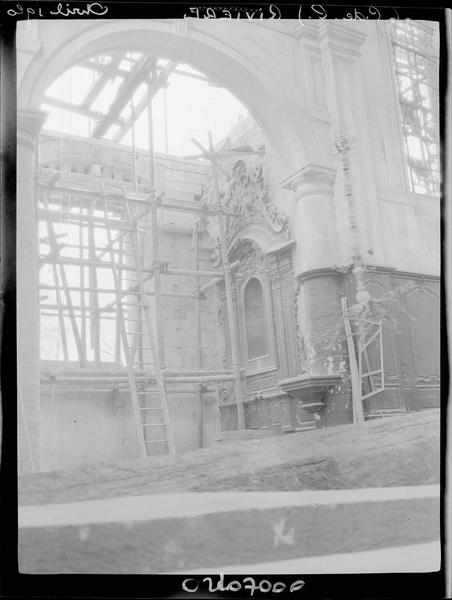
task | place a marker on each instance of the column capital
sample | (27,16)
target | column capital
(307,31)
(29,123)
(337,36)
(312,175)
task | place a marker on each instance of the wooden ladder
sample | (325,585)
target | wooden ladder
(145,377)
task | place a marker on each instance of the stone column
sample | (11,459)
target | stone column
(321,285)
(315,228)
(29,123)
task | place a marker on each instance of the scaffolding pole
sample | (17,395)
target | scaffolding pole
(119,225)
(129,364)
(198,338)
(55,250)
(154,351)
(155,232)
(228,279)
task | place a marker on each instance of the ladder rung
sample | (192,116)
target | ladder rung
(136,304)
(151,408)
(142,362)
(149,390)
(155,441)
(153,424)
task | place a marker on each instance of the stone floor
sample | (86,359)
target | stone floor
(396,451)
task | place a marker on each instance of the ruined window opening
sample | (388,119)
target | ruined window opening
(255,319)
(415,58)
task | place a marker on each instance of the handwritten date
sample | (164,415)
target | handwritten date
(62,9)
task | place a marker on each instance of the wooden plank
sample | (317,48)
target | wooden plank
(53,243)
(156,84)
(155,238)
(79,109)
(118,324)
(62,326)
(154,352)
(110,71)
(67,260)
(90,190)
(198,328)
(233,333)
(358,411)
(125,344)
(82,293)
(126,90)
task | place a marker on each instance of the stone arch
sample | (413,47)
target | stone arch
(251,73)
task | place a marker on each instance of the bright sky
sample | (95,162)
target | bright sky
(193,108)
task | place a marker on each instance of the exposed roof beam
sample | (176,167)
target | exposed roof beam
(157,83)
(125,92)
(110,71)
(105,69)
(207,80)
(192,75)
(86,112)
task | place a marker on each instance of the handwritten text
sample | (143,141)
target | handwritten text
(95,9)
(191,585)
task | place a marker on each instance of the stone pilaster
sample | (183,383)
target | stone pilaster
(341,47)
(29,123)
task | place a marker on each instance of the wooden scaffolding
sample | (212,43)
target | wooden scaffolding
(125,218)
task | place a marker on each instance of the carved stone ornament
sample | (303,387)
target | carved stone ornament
(226,393)
(246,196)
(253,260)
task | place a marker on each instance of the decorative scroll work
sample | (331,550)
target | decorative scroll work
(245,199)
(246,195)
(254,261)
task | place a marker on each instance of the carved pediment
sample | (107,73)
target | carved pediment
(245,199)
(246,196)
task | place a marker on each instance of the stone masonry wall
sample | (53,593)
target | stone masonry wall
(86,427)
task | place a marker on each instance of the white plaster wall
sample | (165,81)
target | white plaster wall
(410,222)
(83,428)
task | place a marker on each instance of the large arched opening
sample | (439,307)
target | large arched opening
(75,290)
(252,75)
